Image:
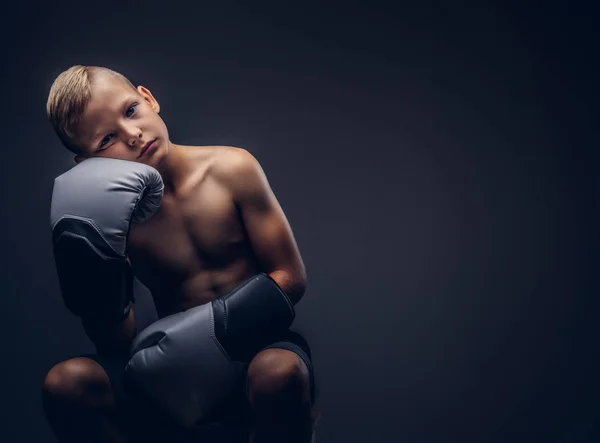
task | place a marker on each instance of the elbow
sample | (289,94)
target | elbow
(298,293)
(299,287)
(292,283)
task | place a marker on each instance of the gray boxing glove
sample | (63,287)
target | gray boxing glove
(190,363)
(93,206)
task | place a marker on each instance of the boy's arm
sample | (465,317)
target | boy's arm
(111,338)
(268,230)
(93,205)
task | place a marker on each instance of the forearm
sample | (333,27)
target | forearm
(112,338)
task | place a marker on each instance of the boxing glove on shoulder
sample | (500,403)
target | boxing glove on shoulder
(93,206)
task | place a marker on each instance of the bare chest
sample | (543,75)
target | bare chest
(189,234)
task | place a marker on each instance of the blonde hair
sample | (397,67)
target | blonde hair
(69,95)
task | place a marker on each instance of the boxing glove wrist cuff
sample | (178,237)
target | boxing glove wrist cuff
(81,256)
(255,309)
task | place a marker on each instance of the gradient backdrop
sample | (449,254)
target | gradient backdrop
(436,163)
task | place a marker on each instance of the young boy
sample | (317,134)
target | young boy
(218,224)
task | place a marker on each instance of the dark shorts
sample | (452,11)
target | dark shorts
(144,424)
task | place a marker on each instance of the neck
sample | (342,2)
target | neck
(173,167)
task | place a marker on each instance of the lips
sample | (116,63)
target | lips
(146,146)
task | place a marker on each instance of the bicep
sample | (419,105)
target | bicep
(270,234)
(268,228)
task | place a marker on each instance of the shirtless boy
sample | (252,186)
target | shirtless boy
(218,225)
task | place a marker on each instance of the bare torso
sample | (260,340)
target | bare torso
(194,248)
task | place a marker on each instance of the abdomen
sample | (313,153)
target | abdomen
(201,287)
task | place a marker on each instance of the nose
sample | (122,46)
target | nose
(133,135)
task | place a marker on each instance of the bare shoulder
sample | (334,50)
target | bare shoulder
(234,163)
(222,161)
(231,156)
(240,172)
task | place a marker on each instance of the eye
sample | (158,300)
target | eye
(105,140)
(128,114)
(130,111)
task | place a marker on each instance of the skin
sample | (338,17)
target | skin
(219,223)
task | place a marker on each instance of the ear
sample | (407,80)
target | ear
(147,95)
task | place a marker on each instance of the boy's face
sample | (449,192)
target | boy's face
(119,122)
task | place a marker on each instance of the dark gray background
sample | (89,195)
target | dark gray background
(438,168)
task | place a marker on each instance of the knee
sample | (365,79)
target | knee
(276,372)
(75,379)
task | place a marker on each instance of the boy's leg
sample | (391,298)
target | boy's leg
(80,402)
(281,392)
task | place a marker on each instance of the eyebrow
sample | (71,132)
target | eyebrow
(94,141)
